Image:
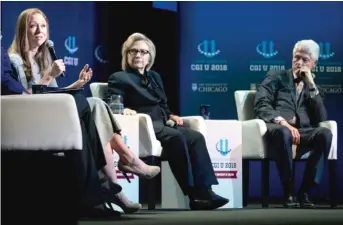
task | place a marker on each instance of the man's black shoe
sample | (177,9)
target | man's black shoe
(291,202)
(304,201)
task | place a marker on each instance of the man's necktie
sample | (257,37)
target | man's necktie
(299,87)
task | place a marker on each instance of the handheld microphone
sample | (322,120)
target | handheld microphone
(50,45)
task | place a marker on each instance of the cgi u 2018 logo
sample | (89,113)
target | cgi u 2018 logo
(70,45)
(208,48)
(101,54)
(325,50)
(223,147)
(266,49)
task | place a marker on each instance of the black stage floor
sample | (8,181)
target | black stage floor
(253,214)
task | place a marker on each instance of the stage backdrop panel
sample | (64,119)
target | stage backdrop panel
(167,5)
(228,46)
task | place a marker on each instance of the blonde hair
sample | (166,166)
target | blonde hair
(309,47)
(20,44)
(129,42)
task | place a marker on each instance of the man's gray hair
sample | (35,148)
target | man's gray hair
(309,47)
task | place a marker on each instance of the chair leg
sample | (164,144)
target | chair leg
(333,182)
(265,183)
(152,186)
(246,173)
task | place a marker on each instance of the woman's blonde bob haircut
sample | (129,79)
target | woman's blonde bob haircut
(127,45)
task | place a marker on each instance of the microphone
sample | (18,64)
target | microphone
(50,45)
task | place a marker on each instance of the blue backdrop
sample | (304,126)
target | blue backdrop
(168,5)
(72,30)
(228,46)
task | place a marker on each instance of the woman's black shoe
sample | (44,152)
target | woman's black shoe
(109,186)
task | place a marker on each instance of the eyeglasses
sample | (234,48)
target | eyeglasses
(135,51)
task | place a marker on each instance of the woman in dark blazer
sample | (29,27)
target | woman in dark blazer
(185,149)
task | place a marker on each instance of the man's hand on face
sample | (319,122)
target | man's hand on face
(306,75)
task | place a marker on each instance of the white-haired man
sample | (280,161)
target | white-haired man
(292,106)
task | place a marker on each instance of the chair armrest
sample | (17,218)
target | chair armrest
(252,139)
(257,126)
(148,144)
(195,123)
(40,122)
(332,125)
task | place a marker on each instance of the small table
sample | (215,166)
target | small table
(224,143)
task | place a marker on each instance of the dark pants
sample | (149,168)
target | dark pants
(188,157)
(41,186)
(92,153)
(315,141)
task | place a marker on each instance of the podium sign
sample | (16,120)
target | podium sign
(224,143)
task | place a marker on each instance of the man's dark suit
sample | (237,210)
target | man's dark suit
(277,96)
(184,148)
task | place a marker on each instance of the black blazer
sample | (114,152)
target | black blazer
(9,86)
(276,96)
(140,94)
